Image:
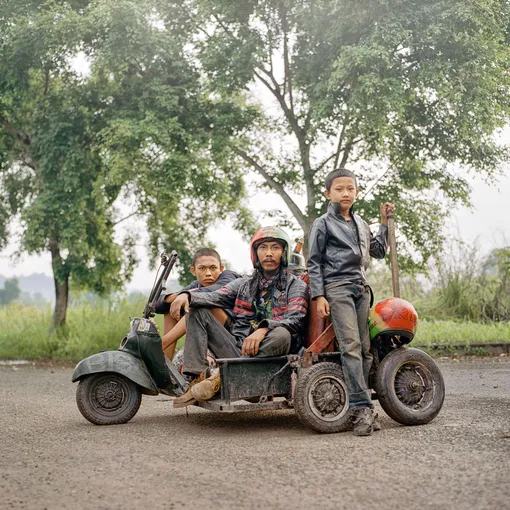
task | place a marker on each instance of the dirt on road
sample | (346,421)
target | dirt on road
(51,457)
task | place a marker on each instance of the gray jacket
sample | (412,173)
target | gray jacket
(337,252)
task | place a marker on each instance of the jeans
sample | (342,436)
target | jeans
(350,307)
(204,332)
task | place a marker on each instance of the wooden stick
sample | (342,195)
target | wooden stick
(393,255)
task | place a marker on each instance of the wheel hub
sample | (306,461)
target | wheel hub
(109,395)
(327,397)
(410,385)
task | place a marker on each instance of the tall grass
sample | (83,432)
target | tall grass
(91,327)
(449,332)
(101,325)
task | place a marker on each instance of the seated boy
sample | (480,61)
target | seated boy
(210,275)
(340,246)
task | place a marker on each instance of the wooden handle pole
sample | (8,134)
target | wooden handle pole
(393,255)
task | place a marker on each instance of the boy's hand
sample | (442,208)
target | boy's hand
(252,342)
(386,208)
(322,307)
(181,302)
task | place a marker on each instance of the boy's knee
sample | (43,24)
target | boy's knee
(350,346)
(198,313)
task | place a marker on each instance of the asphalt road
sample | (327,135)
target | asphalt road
(51,457)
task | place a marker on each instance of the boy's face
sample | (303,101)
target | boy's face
(207,270)
(270,254)
(343,190)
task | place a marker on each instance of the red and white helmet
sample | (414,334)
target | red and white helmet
(270,234)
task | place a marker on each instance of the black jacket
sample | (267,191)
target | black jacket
(289,307)
(338,252)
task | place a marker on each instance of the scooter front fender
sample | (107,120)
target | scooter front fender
(121,363)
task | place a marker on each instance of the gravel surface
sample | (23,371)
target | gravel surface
(51,457)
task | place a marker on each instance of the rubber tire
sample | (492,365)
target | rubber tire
(385,386)
(86,399)
(306,380)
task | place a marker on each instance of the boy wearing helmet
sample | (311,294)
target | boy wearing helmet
(341,245)
(270,308)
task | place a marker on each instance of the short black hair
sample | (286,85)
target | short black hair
(205,252)
(339,172)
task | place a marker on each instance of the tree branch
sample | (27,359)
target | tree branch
(325,162)
(126,217)
(14,132)
(275,90)
(276,186)
(375,184)
(346,154)
(339,146)
(286,61)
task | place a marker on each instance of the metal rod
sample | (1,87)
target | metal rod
(393,255)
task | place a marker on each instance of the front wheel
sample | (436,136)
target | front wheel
(321,398)
(410,386)
(108,398)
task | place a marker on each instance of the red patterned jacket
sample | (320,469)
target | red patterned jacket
(289,308)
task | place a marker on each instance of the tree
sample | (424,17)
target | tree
(73,142)
(409,92)
(10,292)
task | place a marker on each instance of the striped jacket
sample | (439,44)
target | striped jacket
(289,308)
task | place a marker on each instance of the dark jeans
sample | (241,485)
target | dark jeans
(350,306)
(204,332)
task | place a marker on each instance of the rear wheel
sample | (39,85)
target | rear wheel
(410,386)
(108,398)
(321,399)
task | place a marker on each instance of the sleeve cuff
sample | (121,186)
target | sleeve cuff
(269,324)
(316,292)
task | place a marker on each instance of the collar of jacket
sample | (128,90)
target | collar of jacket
(334,208)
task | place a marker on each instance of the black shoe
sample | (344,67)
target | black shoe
(363,421)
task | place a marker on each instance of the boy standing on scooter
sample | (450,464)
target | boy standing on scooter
(340,247)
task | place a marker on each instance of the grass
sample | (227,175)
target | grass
(449,332)
(101,326)
(90,329)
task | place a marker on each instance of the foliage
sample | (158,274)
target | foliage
(10,292)
(469,287)
(135,124)
(461,285)
(410,92)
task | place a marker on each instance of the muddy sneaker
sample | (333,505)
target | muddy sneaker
(363,421)
(206,389)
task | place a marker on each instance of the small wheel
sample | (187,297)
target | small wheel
(410,386)
(321,398)
(108,398)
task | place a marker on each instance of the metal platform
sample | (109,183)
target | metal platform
(243,405)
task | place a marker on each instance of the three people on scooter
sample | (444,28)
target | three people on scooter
(340,247)
(269,312)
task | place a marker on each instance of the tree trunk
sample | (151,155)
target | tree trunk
(61,300)
(61,288)
(309,222)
